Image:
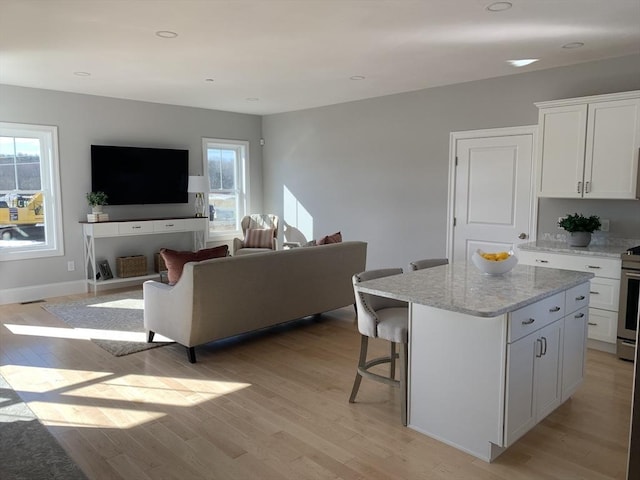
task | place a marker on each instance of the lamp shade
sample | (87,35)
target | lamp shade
(198,184)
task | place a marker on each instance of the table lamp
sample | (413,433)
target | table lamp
(198,184)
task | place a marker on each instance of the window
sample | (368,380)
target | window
(30,217)
(225,163)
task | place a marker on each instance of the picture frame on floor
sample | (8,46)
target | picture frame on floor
(104,272)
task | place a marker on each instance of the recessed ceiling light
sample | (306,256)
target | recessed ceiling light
(499,6)
(252,99)
(573,45)
(166,34)
(357,77)
(82,74)
(523,62)
(208,80)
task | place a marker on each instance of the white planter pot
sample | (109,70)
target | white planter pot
(96,209)
(579,239)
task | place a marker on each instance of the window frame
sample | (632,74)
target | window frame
(242,182)
(50,187)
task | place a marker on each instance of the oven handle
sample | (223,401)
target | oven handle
(632,275)
(628,343)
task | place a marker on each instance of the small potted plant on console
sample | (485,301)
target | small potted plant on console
(96,201)
(580,228)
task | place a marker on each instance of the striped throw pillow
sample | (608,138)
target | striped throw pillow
(259,238)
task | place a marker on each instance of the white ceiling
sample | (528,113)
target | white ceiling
(295,54)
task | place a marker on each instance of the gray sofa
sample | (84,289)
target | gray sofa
(228,296)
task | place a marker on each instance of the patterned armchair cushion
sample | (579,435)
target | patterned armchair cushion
(259,238)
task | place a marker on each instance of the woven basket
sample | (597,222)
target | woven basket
(132,266)
(158,263)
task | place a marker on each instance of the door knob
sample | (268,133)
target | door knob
(522,236)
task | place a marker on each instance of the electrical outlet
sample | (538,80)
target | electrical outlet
(71,266)
(604,224)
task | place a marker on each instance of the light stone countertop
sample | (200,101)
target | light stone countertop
(461,287)
(611,249)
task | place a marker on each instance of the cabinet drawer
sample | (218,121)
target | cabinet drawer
(134,228)
(603,325)
(171,225)
(577,297)
(106,229)
(533,317)
(599,266)
(605,293)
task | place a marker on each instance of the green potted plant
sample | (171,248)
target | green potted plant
(96,201)
(580,228)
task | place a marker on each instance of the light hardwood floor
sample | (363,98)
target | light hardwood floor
(274,406)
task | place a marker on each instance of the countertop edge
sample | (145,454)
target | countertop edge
(480,313)
(612,251)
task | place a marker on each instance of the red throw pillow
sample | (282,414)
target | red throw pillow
(334,238)
(258,238)
(175,260)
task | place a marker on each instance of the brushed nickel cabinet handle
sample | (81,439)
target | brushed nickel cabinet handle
(594,267)
(579,189)
(581,297)
(592,324)
(580,315)
(555,309)
(587,187)
(538,355)
(544,341)
(528,322)
(594,292)
(541,261)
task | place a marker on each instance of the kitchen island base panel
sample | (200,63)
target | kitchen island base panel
(494,451)
(459,399)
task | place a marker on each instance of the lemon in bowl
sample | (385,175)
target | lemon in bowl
(497,263)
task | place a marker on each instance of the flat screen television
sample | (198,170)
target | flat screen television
(137,175)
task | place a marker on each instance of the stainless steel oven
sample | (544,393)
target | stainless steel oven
(629,309)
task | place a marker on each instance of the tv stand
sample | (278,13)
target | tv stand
(127,228)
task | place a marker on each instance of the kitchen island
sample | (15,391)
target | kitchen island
(489,356)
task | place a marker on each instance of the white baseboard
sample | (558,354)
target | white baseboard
(38,292)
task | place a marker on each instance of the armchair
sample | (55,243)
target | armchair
(260,234)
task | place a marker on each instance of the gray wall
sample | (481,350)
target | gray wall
(377,169)
(83,120)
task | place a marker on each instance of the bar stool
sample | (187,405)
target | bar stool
(386,318)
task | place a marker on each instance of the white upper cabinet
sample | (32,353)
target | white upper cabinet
(589,147)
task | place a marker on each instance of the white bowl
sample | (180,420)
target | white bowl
(491,267)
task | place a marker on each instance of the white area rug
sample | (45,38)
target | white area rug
(113,322)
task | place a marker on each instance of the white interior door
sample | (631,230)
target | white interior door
(493,203)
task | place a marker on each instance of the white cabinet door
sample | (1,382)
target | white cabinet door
(548,375)
(574,351)
(562,143)
(534,379)
(589,147)
(520,415)
(613,143)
